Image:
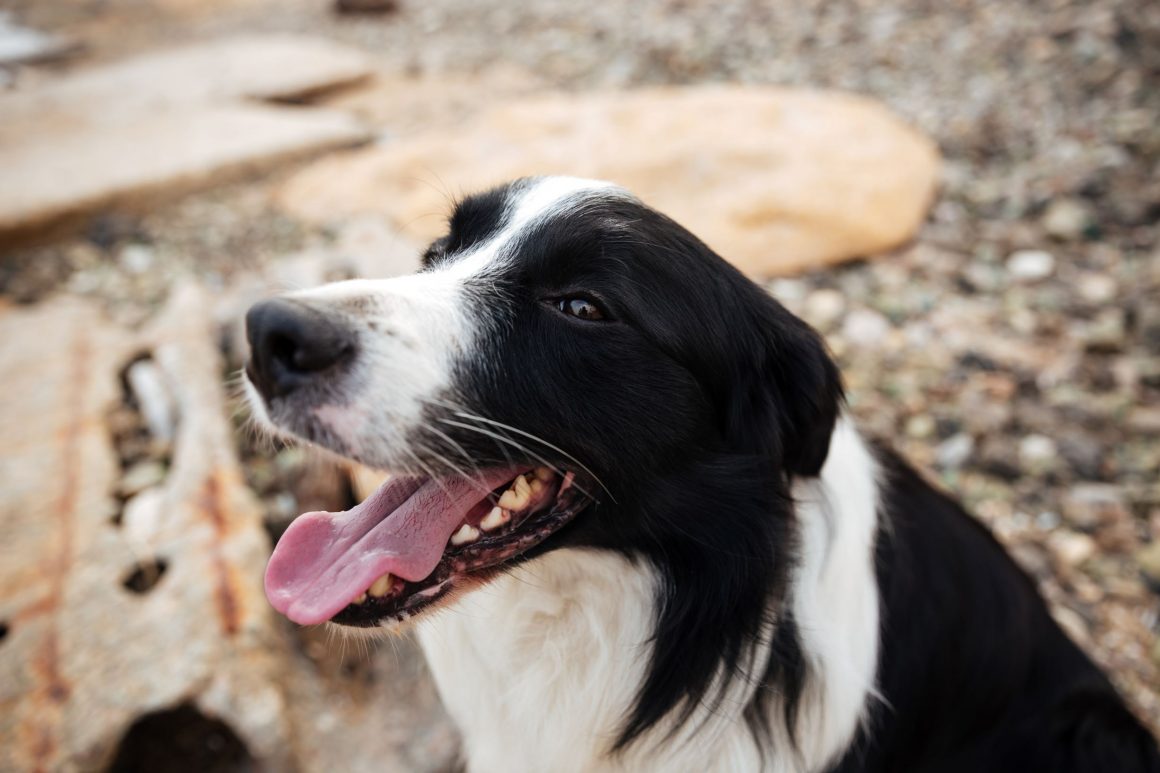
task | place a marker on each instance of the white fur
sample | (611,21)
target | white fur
(539,668)
(423,323)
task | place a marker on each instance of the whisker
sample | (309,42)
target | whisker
(475,417)
(498,437)
(474,481)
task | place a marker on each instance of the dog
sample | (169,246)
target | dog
(634,525)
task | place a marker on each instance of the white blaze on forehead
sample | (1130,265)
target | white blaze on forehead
(413,329)
(539,200)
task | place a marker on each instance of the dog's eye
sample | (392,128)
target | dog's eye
(581,308)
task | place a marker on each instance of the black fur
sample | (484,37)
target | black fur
(974,673)
(696,402)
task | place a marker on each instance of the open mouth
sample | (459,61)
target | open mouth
(414,541)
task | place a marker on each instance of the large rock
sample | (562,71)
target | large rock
(776,180)
(157,620)
(166,123)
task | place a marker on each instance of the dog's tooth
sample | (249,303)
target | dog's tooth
(360,599)
(544,474)
(496,518)
(381,586)
(518,496)
(467,533)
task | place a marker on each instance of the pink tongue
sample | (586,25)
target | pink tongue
(325,560)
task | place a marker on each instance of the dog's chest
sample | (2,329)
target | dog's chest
(538,668)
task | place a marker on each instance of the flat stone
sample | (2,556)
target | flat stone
(24,45)
(776,180)
(166,123)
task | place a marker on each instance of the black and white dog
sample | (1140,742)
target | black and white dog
(636,528)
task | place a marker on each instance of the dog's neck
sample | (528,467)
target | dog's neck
(540,668)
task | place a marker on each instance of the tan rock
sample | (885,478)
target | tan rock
(53,176)
(165,123)
(776,180)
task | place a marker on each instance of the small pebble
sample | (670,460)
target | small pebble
(1037,453)
(1148,557)
(1096,288)
(954,452)
(141,476)
(136,258)
(1066,219)
(153,398)
(1105,333)
(1030,265)
(865,327)
(920,426)
(1071,548)
(823,308)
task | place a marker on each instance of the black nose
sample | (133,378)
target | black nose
(292,343)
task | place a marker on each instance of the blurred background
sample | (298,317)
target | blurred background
(962,195)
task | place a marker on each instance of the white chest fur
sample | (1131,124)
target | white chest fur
(539,668)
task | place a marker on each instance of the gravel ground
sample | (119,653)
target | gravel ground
(1013,350)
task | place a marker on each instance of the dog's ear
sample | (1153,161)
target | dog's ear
(787,393)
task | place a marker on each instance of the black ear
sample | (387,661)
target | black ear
(786,394)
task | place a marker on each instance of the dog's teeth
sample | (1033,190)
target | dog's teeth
(361,598)
(467,533)
(381,586)
(496,518)
(518,496)
(544,474)
(537,486)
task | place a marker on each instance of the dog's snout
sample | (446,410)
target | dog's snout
(291,343)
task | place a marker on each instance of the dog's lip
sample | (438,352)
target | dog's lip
(472,565)
(326,559)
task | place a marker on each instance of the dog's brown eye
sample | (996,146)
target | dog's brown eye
(580,308)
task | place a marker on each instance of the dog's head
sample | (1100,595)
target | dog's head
(568,368)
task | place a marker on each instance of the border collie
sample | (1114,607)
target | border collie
(635,527)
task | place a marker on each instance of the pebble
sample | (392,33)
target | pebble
(366,6)
(954,452)
(1071,548)
(1066,219)
(136,258)
(153,398)
(1087,505)
(1145,420)
(1073,624)
(920,426)
(1105,333)
(1030,265)
(141,476)
(865,327)
(141,517)
(1148,557)
(823,308)
(1037,453)
(1096,288)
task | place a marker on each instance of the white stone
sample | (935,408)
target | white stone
(1030,265)
(865,327)
(954,452)
(1037,451)
(823,308)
